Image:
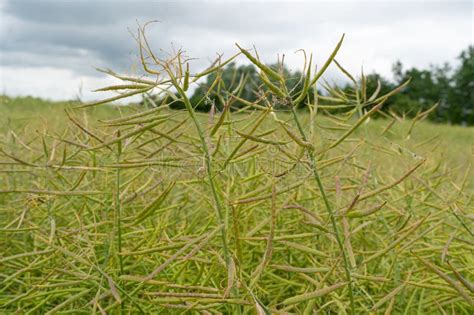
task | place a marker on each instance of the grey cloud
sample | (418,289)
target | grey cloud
(78,34)
(100,27)
(83,13)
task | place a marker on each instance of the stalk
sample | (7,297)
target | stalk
(118,217)
(328,206)
(209,170)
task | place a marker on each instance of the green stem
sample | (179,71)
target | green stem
(118,218)
(210,175)
(328,207)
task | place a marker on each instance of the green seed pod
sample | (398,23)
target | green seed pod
(186,78)
(266,69)
(119,143)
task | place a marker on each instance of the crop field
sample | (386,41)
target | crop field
(125,209)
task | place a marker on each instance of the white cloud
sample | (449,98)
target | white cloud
(47,49)
(52,83)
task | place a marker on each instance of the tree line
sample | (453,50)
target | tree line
(450,89)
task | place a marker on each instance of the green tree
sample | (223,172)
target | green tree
(235,80)
(422,92)
(241,81)
(453,90)
(461,98)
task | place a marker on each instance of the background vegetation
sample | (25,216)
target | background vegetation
(451,88)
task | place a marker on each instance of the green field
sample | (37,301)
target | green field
(113,211)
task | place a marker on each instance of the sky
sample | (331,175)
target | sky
(50,49)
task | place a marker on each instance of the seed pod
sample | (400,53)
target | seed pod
(389,296)
(312,295)
(271,86)
(364,213)
(186,78)
(119,143)
(115,98)
(299,141)
(152,206)
(123,87)
(306,85)
(262,140)
(266,69)
(328,62)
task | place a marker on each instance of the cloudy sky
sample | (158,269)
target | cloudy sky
(50,48)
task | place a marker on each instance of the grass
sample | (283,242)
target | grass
(109,209)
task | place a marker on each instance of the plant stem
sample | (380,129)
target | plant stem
(209,170)
(118,218)
(328,207)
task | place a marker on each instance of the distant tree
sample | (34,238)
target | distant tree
(241,81)
(461,98)
(452,89)
(423,91)
(372,82)
(294,84)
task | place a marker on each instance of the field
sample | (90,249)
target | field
(104,214)
(281,199)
